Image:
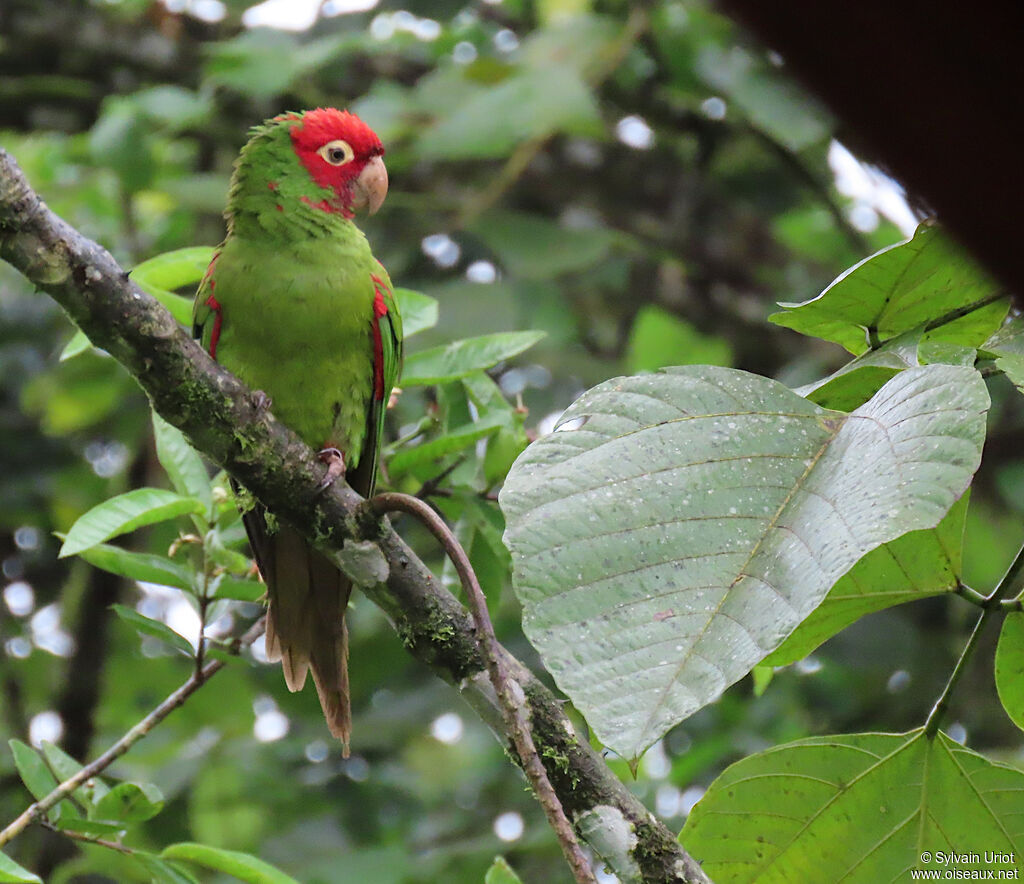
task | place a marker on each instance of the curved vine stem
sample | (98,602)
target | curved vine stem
(511,703)
(992,603)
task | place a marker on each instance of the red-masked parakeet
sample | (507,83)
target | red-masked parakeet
(295,304)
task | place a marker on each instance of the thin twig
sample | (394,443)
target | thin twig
(219,416)
(992,604)
(512,706)
(195,681)
(431,486)
(88,839)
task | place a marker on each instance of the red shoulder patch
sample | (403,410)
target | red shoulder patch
(380,310)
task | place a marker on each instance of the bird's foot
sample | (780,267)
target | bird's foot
(393,398)
(335,461)
(260,401)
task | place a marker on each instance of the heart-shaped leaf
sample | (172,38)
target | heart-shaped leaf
(688,521)
(925,282)
(858,808)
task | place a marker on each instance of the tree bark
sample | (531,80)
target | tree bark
(218,414)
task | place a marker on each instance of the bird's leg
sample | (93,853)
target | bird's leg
(260,401)
(335,461)
(393,398)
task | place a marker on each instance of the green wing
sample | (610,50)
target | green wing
(389,328)
(205,310)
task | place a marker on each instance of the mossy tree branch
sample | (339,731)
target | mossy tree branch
(218,414)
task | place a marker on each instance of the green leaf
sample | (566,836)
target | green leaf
(243,866)
(898,289)
(173,270)
(155,629)
(1010,667)
(130,803)
(184,466)
(102,828)
(126,512)
(1007,340)
(459,358)
(1012,366)
(78,344)
(772,103)
(659,338)
(179,307)
(32,769)
(859,380)
(436,449)
(12,873)
(64,767)
(419,311)
(532,247)
(493,119)
(680,525)
(174,106)
(501,872)
(122,140)
(915,566)
(149,567)
(228,587)
(164,872)
(860,808)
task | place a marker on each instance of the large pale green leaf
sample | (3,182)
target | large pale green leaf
(460,358)
(898,289)
(126,512)
(12,873)
(241,865)
(680,525)
(1010,667)
(917,565)
(856,808)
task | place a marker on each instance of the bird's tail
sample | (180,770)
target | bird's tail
(306,617)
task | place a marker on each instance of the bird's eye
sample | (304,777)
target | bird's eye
(337,153)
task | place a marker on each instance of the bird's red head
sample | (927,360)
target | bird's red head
(342,153)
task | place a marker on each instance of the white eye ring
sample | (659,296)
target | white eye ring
(337,153)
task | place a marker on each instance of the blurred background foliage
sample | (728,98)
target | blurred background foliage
(640,182)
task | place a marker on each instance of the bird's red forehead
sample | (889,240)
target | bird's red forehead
(325,124)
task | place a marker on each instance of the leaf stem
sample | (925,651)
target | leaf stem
(992,604)
(88,839)
(175,699)
(971,595)
(962,311)
(511,705)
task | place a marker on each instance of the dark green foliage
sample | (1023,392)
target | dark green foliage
(541,255)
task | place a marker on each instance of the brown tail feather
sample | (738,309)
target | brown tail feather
(305,619)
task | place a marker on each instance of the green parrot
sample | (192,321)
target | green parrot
(296,306)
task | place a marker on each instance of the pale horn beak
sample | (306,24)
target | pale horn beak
(371,186)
